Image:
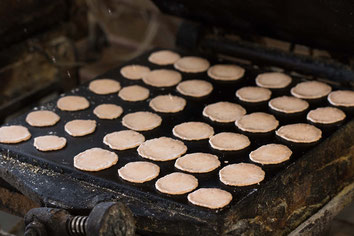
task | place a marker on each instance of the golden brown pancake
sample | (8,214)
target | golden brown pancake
(242,174)
(134,72)
(193,131)
(253,94)
(176,183)
(299,133)
(162,78)
(343,98)
(108,111)
(226,72)
(197,162)
(134,93)
(326,115)
(195,88)
(288,104)
(139,171)
(104,86)
(271,154)
(192,64)
(224,112)
(227,141)
(213,198)
(167,103)
(72,103)
(257,122)
(141,121)
(311,90)
(273,80)
(164,57)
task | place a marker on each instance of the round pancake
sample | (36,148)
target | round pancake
(227,141)
(224,112)
(226,72)
(134,93)
(299,133)
(193,131)
(49,143)
(326,115)
(42,118)
(134,72)
(122,140)
(195,88)
(273,80)
(14,134)
(253,94)
(72,103)
(192,64)
(213,198)
(197,162)
(104,86)
(257,122)
(288,104)
(78,128)
(311,90)
(141,121)
(242,174)
(167,103)
(108,111)
(344,98)
(139,171)
(162,78)
(95,159)
(176,183)
(164,57)
(271,154)
(162,149)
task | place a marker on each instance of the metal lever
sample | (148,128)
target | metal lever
(107,218)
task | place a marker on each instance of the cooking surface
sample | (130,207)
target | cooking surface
(62,160)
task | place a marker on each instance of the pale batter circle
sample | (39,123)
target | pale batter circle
(288,104)
(141,121)
(213,198)
(193,131)
(227,141)
(104,86)
(224,112)
(225,72)
(242,174)
(78,128)
(326,115)
(42,118)
(49,143)
(72,103)
(253,94)
(176,183)
(273,80)
(139,171)
(14,134)
(134,93)
(108,111)
(192,64)
(197,162)
(271,154)
(162,149)
(257,122)
(122,140)
(167,103)
(164,57)
(95,159)
(299,133)
(162,78)
(311,90)
(134,72)
(344,98)
(195,88)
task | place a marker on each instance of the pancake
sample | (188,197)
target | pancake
(95,159)
(167,103)
(192,64)
(49,143)
(227,141)
(226,72)
(344,98)
(311,90)
(299,133)
(197,162)
(242,174)
(122,140)
(273,80)
(253,94)
(134,93)
(141,121)
(164,57)
(195,88)
(193,131)
(288,104)
(212,198)
(104,86)
(72,103)
(14,134)
(271,154)
(108,111)
(139,171)
(162,78)
(42,118)
(176,183)
(134,72)
(162,149)
(224,112)
(326,115)
(257,122)
(78,128)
